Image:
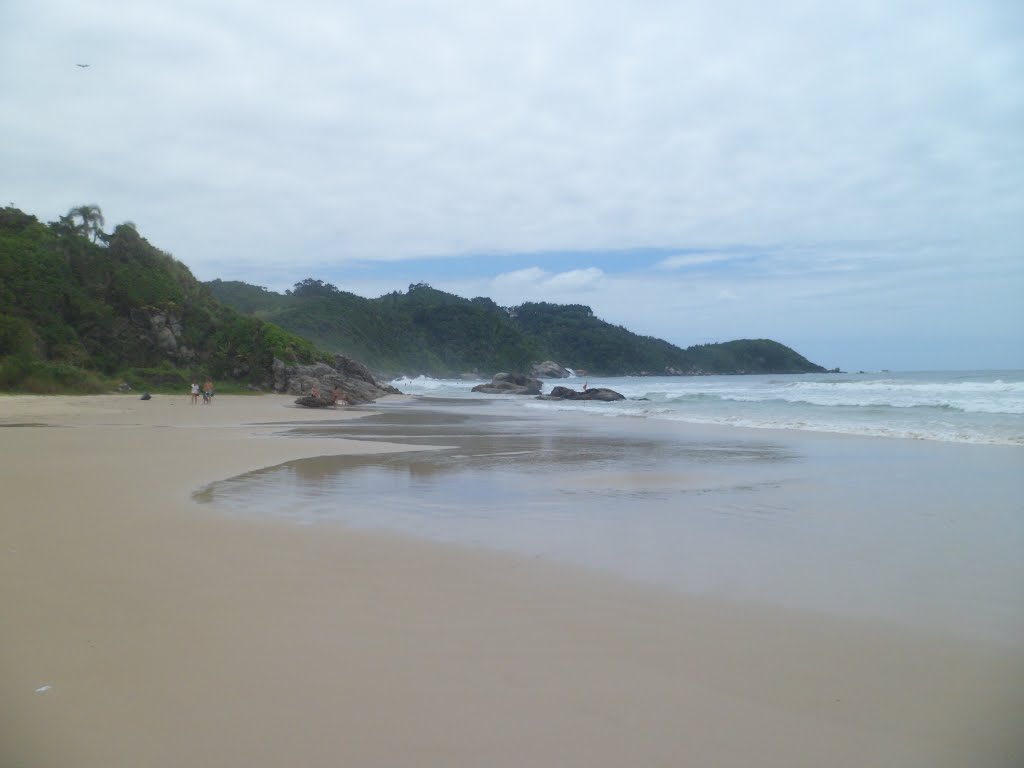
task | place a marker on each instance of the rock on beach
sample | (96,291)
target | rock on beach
(602,394)
(510,384)
(354,379)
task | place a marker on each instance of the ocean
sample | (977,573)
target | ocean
(950,406)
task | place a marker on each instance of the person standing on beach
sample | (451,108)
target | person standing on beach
(207,392)
(195,392)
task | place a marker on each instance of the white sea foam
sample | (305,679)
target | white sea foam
(973,407)
(425,385)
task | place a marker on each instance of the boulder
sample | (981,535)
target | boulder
(596,393)
(549,370)
(354,379)
(510,384)
(312,401)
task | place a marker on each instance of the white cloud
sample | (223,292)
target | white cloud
(574,280)
(520,280)
(692,260)
(536,283)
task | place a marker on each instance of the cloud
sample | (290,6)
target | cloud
(521,279)
(574,280)
(420,129)
(536,282)
(685,261)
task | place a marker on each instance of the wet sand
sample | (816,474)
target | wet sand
(142,628)
(920,533)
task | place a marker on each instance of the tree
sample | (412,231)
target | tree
(86,220)
(311,287)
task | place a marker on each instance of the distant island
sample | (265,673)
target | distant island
(86,310)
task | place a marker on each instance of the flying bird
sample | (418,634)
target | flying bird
(83,66)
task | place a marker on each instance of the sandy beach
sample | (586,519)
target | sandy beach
(140,628)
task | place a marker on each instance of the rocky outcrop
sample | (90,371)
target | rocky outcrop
(510,384)
(354,379)
(162,330)
(549,369)
(597,393)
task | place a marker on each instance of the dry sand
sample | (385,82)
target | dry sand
(139,629)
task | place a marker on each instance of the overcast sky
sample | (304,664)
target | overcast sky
(845,178)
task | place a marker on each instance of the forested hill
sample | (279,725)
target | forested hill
(81,309)
(425,330)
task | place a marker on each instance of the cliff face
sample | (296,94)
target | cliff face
(164,331)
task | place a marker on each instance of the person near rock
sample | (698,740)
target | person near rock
(338,397)
(315,391)
(195,392)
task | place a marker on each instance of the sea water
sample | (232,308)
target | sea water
(950,406)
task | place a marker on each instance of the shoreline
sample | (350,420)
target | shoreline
(171,635)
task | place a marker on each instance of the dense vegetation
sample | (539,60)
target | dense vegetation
(81,309)
(424,330)
(429,331)
(84,310)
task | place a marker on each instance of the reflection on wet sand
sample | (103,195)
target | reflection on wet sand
(533,449)
(644,503)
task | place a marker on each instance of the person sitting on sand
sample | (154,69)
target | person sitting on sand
(337,396)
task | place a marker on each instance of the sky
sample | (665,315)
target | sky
(846,178)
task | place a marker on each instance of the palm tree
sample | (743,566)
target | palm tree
(92,220)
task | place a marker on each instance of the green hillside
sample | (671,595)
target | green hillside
(429,331)
(424,330)
(82,310)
